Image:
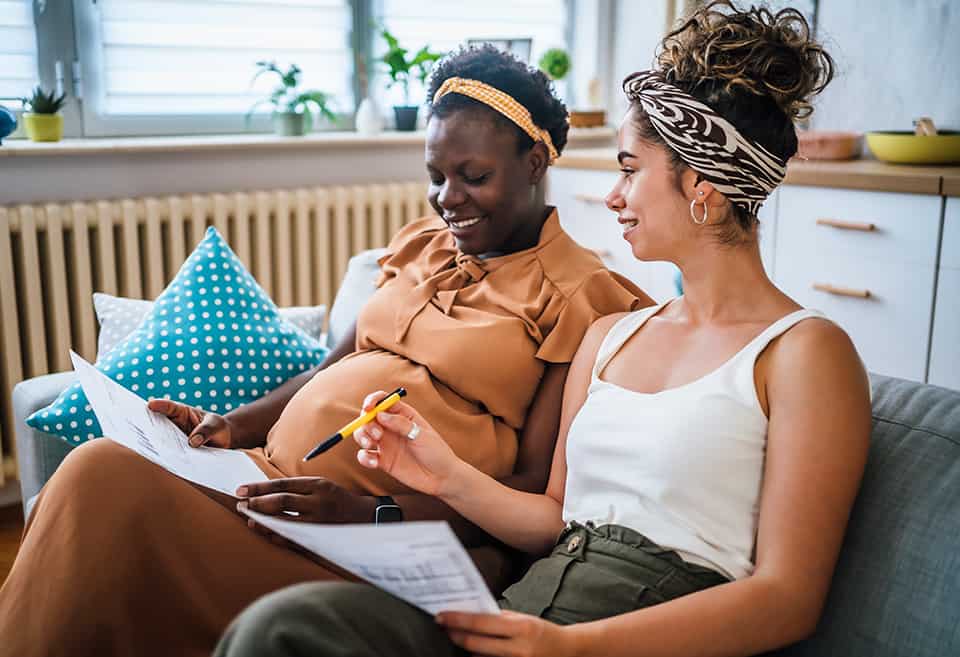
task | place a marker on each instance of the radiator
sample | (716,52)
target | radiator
(54,256)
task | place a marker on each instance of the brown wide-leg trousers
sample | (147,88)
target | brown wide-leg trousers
(119,557)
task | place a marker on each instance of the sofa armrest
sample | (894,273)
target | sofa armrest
(38,453)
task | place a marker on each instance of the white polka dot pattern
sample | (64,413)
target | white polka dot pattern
(120,316)
(213,339)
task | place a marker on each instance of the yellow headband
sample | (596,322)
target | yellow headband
(500,101)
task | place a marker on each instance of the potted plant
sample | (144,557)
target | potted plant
(292,107)
(43,122)
(555,62)
(400,68)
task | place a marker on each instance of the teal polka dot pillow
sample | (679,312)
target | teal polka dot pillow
(213,339)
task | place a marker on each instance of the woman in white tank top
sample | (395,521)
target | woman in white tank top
(710,447)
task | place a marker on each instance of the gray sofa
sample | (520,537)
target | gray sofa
(896,592)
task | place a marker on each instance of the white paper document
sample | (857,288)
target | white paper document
(125,418)
(422,563)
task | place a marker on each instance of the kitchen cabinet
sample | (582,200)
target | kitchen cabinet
(945,350)
(579,196)
(874,246)
(868,261)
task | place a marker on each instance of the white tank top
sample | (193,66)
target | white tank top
(682,466)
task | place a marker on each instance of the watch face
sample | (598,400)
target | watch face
(388,513)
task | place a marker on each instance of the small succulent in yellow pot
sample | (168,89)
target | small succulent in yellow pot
(43,122)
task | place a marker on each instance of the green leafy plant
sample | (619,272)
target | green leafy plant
(555,62)
(287,96)
(400,68)
(45,103)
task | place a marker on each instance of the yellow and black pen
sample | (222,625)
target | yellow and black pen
(345,432)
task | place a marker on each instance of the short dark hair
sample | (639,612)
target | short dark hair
(528,86)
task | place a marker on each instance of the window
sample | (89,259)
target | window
(177,66)
(167,67)
(528,27)
(18,51)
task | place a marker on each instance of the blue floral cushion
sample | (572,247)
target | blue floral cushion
(213,339)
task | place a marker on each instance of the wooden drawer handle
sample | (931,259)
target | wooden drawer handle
(842,291)
(589,198)
(847,225)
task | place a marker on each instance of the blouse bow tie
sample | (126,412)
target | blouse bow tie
(458,272)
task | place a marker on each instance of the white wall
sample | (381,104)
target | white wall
(638,27)
(896,59)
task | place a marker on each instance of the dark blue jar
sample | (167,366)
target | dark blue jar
(8,122)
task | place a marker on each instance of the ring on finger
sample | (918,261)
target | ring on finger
(414,431)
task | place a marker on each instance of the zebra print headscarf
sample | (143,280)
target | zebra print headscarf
(744,171)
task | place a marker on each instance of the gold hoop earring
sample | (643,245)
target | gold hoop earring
(693,215)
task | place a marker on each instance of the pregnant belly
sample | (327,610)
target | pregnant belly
(333,398)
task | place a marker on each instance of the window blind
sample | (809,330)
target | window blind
(182,57)
(446,25)
(18,50)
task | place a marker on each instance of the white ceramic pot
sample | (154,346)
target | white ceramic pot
(369,121)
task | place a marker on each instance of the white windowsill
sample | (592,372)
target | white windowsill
(201,143)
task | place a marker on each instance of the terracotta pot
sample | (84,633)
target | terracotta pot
(587,119)
(824,145)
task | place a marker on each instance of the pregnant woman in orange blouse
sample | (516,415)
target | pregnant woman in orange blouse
(478,313)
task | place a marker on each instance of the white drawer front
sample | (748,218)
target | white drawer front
(950,250)
(583,182)
(768,232)
(945,350)
(578,195)
(891,328)
(905,227)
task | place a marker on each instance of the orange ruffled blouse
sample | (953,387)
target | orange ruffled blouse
(468,338)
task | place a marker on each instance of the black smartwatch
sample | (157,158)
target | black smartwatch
(387,510)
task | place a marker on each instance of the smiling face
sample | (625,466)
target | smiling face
(652,211)
(481,187)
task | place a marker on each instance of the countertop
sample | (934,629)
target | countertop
(853,174)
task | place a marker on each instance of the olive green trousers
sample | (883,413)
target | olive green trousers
(592,573)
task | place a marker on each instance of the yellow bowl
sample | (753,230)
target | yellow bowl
(908,148)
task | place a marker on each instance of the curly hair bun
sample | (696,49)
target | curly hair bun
(758,51)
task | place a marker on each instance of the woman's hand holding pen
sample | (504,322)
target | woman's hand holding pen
(425,462)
